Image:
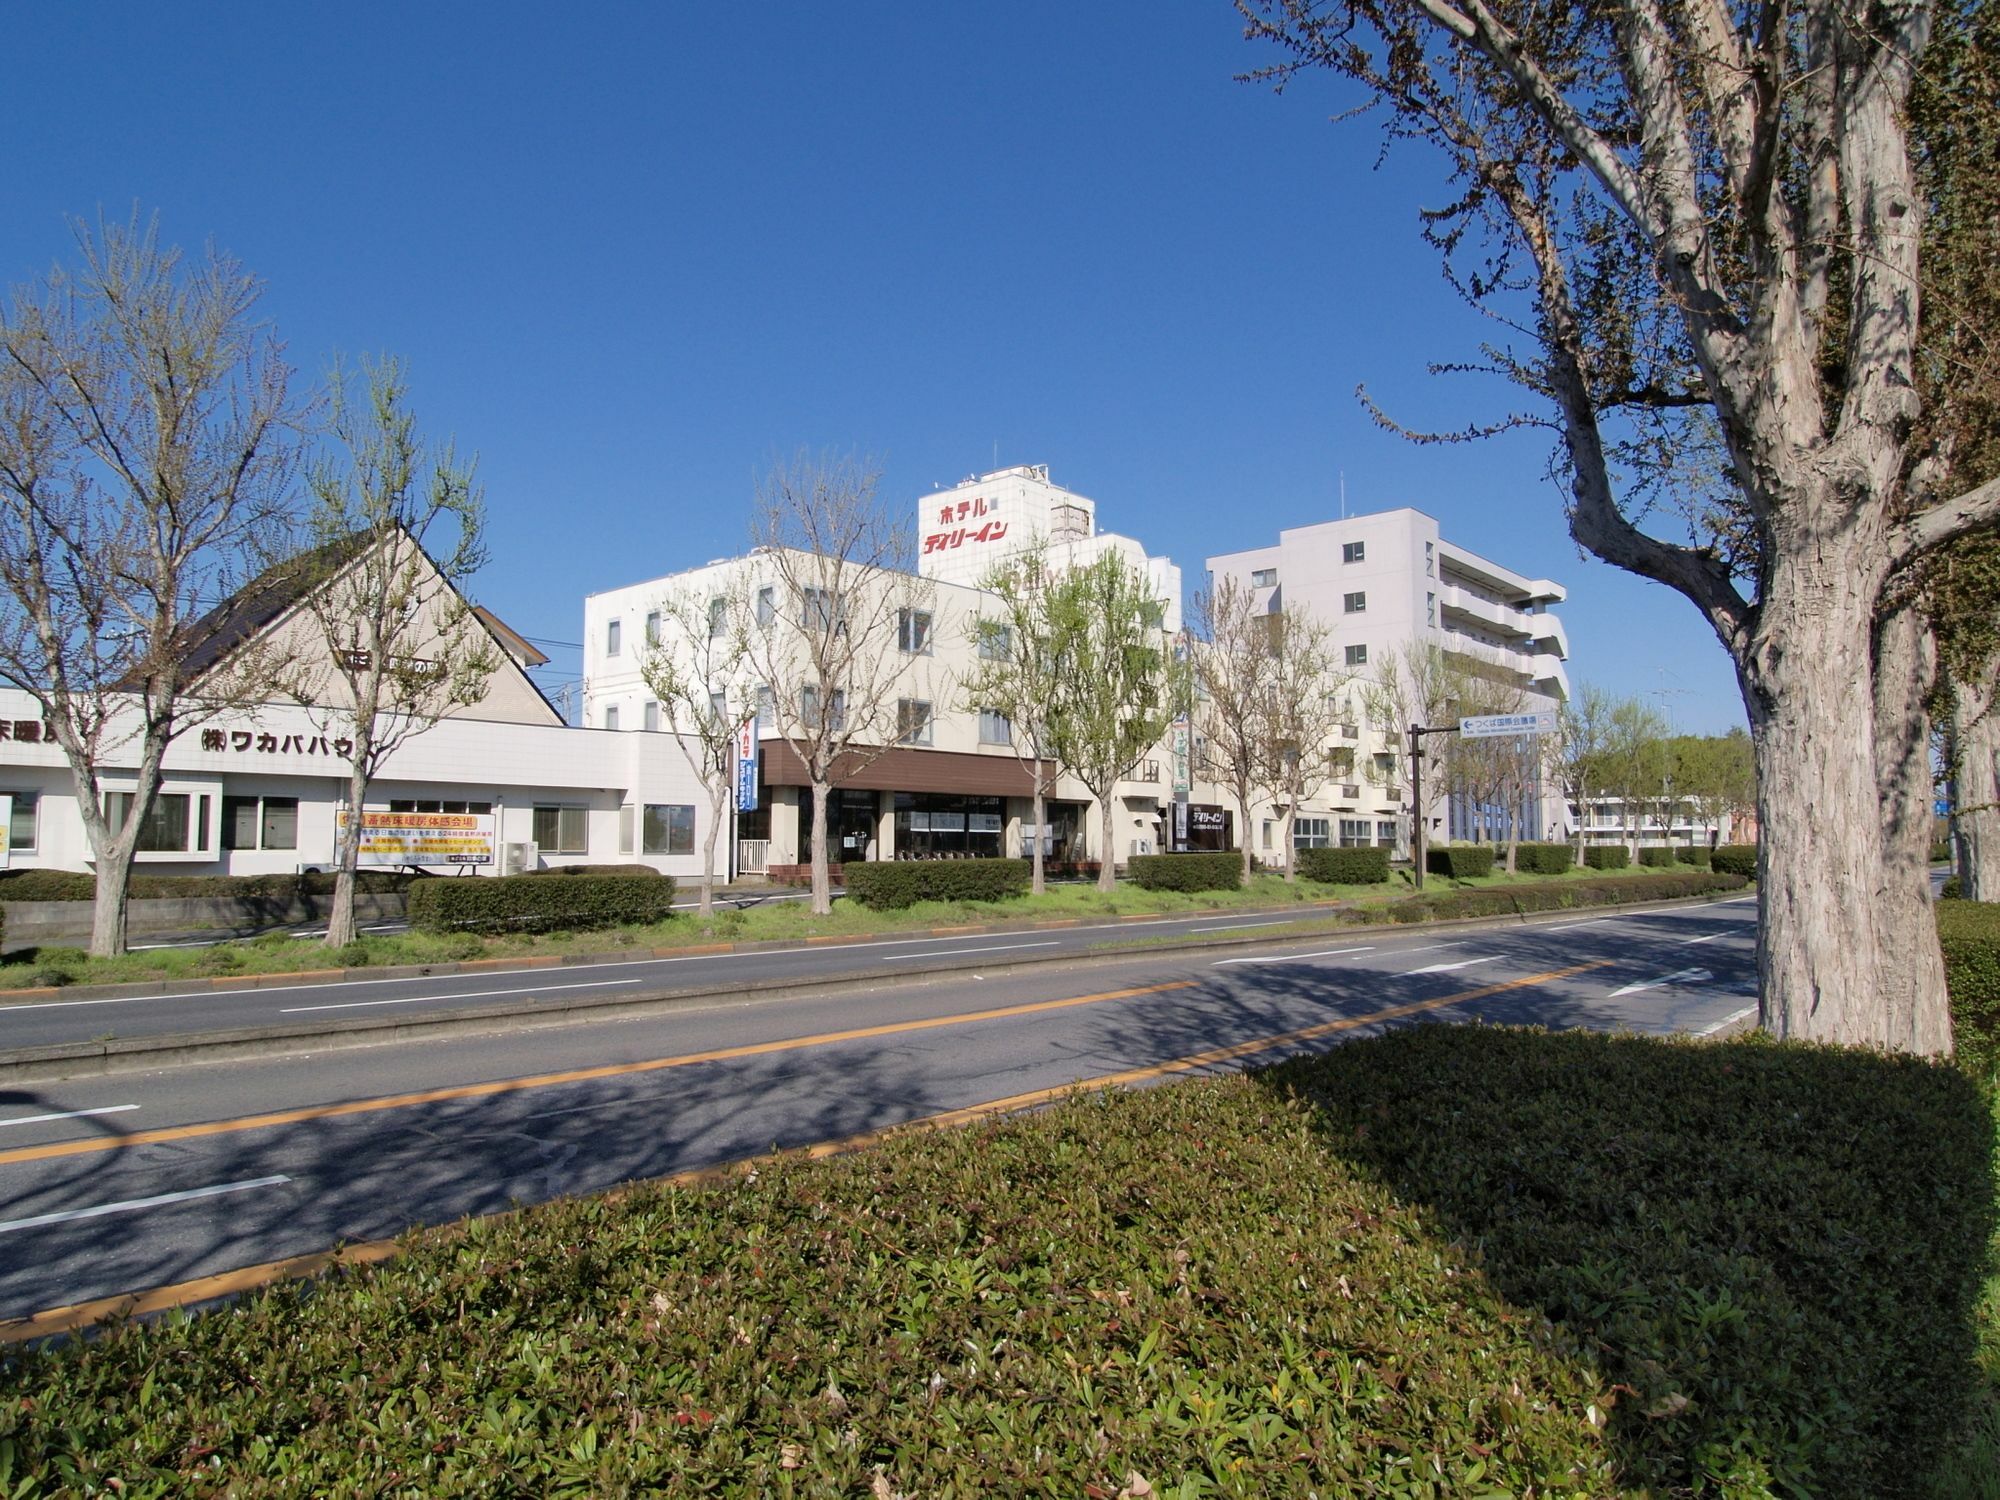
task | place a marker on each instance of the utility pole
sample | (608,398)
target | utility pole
(1417,733)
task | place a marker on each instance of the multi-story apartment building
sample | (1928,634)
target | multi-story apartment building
(1381,581)
(942,776)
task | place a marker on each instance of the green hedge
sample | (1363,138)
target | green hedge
(642,871)
(1460,861)
(73,885)
(1736,859)
(1186,872)
(1544,859)
(1345,866)
(1969,934)
(523,903)
(1694,854)
(887,884)
(1519,900)
(1659,856)
(1607,856)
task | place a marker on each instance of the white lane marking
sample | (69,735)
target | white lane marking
(1731,1020)
(1463,963)
(1736,901)
(1572,926)
(133,1205)
(1291,958)
(896,958)
(1652,984)
(1709,938)
(69,1114)
(533,989)
(1243,926)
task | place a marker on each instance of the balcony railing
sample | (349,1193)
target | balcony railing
(1146,770)
(752,855)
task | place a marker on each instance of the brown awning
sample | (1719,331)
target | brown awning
(907,770)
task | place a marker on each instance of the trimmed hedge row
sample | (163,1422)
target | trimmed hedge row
(1607,857)
(1736,859)
(1186,872)
(642,871)
(1969,934)
(1659,856)
(1460,861)
(527,903)
(76,885)
(885,884)
(1513,900)
(1345,866)
(1695,854)
(1544,859)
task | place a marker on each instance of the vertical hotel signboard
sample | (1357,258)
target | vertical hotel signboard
(746,765)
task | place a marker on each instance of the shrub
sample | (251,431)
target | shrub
(1941,852)
(521,903)
(1953,889)
(886,884)
(1544,859)
(70,885)
(1345,866)
(47,885)
(1520,900)
(1736,859)
(1659,857)
(1460,861)
(1969,934)
(1694,854)
(1186,872)
(1607,856)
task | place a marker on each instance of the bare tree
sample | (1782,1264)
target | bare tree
(1119,685)
(1574,753)
(1232,660)
(1417,683)
(1017,647)
(1301,705)
(693,666)
(843,590)
(1707,218)
(393,537)
(148,443)
(1633,765)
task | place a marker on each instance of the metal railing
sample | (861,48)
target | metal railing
(752,855)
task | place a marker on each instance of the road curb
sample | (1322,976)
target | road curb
(70,1060)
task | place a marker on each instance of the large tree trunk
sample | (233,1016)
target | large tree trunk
(822,881)
(1841,954)
(107,915)
(347,858)
(1975,823)
(1107,871)
(718,814)
(1243,812)
(1905,672)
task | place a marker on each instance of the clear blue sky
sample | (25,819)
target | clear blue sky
(632,252)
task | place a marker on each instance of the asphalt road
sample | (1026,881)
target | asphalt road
(41,1022)
(124,1183)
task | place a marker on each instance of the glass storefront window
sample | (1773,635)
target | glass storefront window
(943,825)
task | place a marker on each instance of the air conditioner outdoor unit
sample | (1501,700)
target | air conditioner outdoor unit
(520,859)
(1142,846)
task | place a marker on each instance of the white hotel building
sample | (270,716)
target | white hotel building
(957,787)
(1380,581)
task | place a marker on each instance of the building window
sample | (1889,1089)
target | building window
(653,628)
(995,728)
(611,716)
(913,631)
(1430,559)
(260,823)
(1353,604)
(1354,552)
(913,721)
(1268,826)
(767,604)
(562,829)
(650,716)
(1353,833)
(439,805)
(1431,609)
(1357,656)
(718,618)
(767,706)
(174,817)
(625,819)
(1311,833)
(996,641)
(21,825)
(668,828)
(1264,578)
(614,636)
(809,708)
(822,609)
(1385,833)
(718,705)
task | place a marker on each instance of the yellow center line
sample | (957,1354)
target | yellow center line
(550,1080)
(78,1315)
